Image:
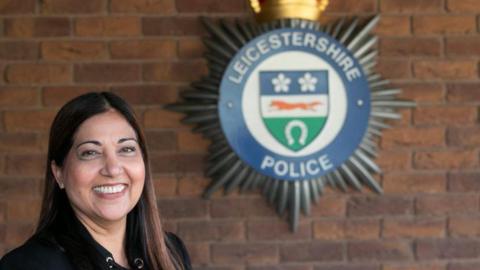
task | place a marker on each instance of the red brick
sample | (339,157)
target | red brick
(447,249)
(74,50)
(348,266)
(143,49)
(411,183)
(15,187)
(422,92)
(107,72)
(38,73)
(28,120)
(414,266)
(143,6)
(175,71)
(392,160)
(37,27)
(211,230)
(172,26)
(443,24)
(375,206)
(165,186)
(159,141)
(394,68)
(171,163)
(124,26)
(2,217)
(282,267)
(210,6)
(16,97)
(353,6)
(464,136)
(464,266)
(411,6)
(199,253)
(407,46)
(17,234)
(182,208)
(191,142)
(17,7)
(19,143)
(438,115)
(244,253)
(330,206)
(413,137)
(312,251)
(3,67)
(192,185)
(463,92)
(464,226)
(24,210)
(161,119)
(59,95)
(147,94)
(18,50)
(414,228)
(277,230)
(346,229)
(73,6)
(190,48)
(447,204)
(373,250)
(446,159)
(464,6)
(464,182)
(464,46)
(445,70)
(393,26)
(25,165)
(240,208)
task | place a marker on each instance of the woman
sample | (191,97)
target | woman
(99,207)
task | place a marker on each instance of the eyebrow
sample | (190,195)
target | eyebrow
(122,140)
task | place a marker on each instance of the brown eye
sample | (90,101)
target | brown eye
(128,149)
(89,154)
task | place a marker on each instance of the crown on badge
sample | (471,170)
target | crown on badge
(266,10)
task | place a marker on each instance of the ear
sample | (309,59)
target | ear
(57,173)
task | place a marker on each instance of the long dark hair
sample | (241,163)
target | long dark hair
(143,222)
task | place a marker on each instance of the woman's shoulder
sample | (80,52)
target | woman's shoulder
(36,253)
(179,248)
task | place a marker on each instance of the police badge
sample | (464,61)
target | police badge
(291,105)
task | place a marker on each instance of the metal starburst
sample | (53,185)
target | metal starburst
(229,172)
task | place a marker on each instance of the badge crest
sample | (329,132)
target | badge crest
(294,105)
(291,105)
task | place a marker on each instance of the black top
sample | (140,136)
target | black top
(42,252)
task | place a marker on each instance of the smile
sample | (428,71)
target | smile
(109,189)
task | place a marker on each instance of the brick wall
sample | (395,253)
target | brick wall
(148,50)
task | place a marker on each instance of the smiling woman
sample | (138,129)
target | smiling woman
(99,207)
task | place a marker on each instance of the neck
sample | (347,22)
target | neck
(111,235)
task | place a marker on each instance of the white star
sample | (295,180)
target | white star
(307,82)
(281,83)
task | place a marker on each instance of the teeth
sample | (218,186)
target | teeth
(109,189)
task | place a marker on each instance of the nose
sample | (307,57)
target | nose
(112,166)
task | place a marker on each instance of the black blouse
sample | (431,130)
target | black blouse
(42,252)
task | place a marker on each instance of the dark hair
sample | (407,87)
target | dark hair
(143,222)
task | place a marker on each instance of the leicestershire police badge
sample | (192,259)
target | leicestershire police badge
(291,105)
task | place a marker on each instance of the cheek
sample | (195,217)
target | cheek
(138,173)
(80,174)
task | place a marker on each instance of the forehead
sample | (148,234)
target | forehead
(104,125)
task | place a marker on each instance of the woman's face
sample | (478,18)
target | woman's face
(104,172)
